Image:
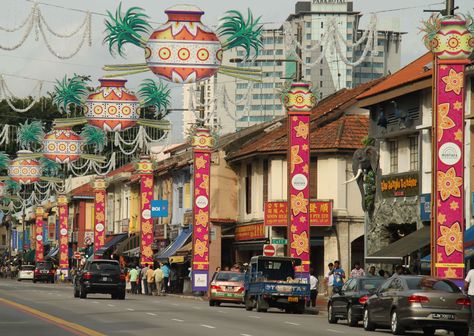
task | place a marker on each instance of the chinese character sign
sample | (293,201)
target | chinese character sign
(39,234)
(320,213)
(63,232)
(99,212)
(145,170)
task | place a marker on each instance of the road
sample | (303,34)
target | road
(50,309)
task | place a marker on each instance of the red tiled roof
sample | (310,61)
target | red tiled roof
(84,190)
(129,167)
(412,72)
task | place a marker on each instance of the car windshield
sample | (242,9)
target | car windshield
(432,284)
(232,277)
(104,266)
(370,284)
(27,268)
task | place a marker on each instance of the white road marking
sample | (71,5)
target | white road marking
(245,335)
(111,305)
(197,308)
(95,301)
(335,331)
(207,326)
(130,309)
(177,320)
(151,314)
(175,304)
(255,317)
(292,323)
(222,312)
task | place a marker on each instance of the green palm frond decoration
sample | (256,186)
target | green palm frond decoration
(470,23)
(94,136)
(30,134)
(239,32)
(4,160)
(126,28)
(70,91)
(12,187)
(50,168)
(430,28)
(155,95)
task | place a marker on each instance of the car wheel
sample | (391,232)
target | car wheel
(429,331)
(121,295)
(331,318)
(212,303)
(114,296)
(76,292)
(34,281)
(19,279)
(82,293)
(218,303)
(351,321)
(261,305)
(461,332)
(248,303)
(368,324)
(300,308)
(395,325)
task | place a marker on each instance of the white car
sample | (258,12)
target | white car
(26,272)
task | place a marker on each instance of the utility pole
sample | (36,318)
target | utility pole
(450,7)
(299,37)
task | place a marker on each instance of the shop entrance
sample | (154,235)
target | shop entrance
(317,256)
(357,252)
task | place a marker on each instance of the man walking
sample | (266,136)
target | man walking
(133,279)
(313,286)
(158,275)
(150,280)
(329,278)
(166,276)
(339,276)
(143,278)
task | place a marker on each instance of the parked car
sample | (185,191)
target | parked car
(100,276)
(44,271)
(348,304)
(227,287)
(26,272)
(418,302)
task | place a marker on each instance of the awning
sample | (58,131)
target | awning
(395,252)
(134,252)
(185,249)
(177,244)
(112,241)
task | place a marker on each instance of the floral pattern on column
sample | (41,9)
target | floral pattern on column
(63,233)
(202,144)
(145,170)
(39,234)
(99,213)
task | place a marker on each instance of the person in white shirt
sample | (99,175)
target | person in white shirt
(313,287)
(329,278)
(469,287)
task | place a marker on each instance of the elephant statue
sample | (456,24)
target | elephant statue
(365,163)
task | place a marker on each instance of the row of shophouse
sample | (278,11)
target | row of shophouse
(249,184)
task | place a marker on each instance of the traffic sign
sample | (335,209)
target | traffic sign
(280,241)
(159,208)
(269,250)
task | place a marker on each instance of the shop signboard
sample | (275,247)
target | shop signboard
(320,213)
(250,232)
(425,207)
(159,208)
(400,185)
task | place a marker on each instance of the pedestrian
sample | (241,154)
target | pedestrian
(329,278)
(128,284)
(158,275)
(143,280)
(357,271)
(166,276)
(150,280)
(382,273)
(134,279)
(313,287)
(371,271)
(339,276)
(398,271)
(173,279)
(469,288)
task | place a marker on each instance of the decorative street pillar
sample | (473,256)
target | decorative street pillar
(63,231)
(39,234)
(299,101)
(451,43)
(99,213)
(145,170)
(202,145)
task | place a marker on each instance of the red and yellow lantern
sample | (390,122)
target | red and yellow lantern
(63,145)
(112,107)
(183,50)
(299,98)
(25,171)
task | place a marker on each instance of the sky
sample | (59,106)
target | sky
(33,60)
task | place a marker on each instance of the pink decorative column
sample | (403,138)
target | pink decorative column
(39,234)
(299,101)
(63,231)
(145,170)
(99,213)
(451,43)
(202,144)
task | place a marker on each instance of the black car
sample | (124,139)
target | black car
(348,304)
(44,271)
(100,276)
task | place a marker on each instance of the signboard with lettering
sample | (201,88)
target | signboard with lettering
(159,208)
(400,185)
(250,232)
(425,207)
(320,213)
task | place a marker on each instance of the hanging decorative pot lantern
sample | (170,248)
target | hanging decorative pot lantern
(299,98)
(112,107)
(63,145)
(202,139)
(23,170)
(183,50)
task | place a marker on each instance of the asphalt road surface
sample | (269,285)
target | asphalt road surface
(28,309)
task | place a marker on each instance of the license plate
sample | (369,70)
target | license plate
(105,279)
(438,316)
(44,271)
(229,288)
(292,299)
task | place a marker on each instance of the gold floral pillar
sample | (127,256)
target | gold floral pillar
(39,213)
(145,170)
(99,213)
(451,42)
(299,102)
(63,234)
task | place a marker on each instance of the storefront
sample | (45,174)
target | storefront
(248,241)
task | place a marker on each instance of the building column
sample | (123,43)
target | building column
(299,101)
(99,213)
(63,234)
(145,170)
(39,234)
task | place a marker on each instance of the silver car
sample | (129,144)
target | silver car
(418,302)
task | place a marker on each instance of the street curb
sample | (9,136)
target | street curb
(196,298)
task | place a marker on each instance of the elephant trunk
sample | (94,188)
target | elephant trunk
(359,172)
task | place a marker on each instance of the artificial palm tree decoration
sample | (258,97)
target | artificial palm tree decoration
(30,134)
(94,136)
(70,91)
(155,95)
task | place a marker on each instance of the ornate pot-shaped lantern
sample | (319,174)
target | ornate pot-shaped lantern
(202,139)
(63,145)
(25,171)
(183,50)
(112,107)
(299,98)
(453,40)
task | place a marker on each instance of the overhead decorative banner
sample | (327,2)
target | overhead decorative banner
(63,233)
(299,101)
(451,42)
(320,213)
(99,213)
(202,145)
(145,170)
(39,234)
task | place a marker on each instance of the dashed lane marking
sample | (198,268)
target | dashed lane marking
(245,335)
(111,305)
(255,317)
(130,309)
(292,323)
(208,326)
(335,331)
(177,320)
(151,314)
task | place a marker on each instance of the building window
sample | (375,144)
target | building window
(414,153)
(321,84)
(393,156)
(265,182)
(180,197)
(248,189)
(308,72)
(308,24)
(321,48)
(308,59)
(320,72)
(308,36)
